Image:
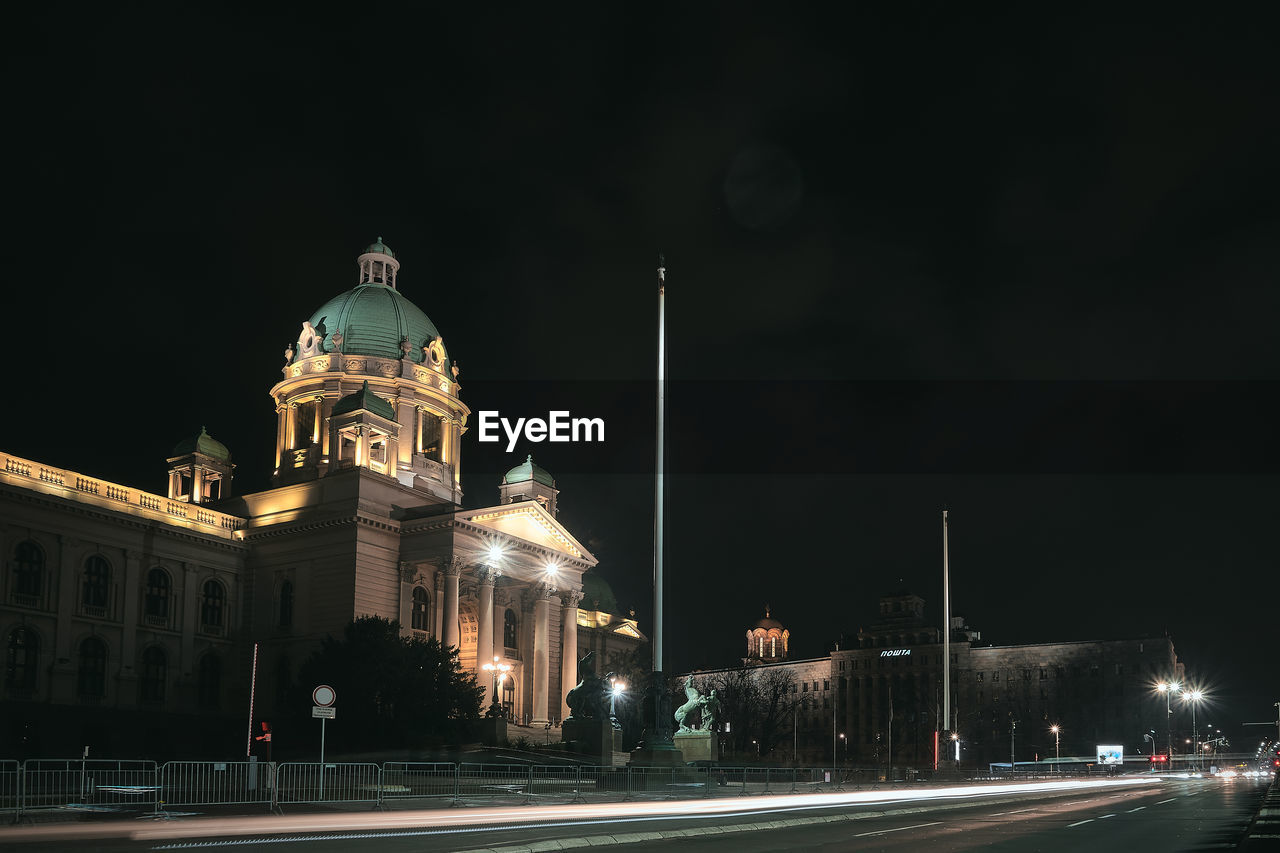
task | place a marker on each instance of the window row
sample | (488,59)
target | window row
(28,588)
(22,660)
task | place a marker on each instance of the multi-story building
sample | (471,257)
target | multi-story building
(123,610)
(879,698)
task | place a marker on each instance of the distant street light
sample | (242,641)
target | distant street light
(1057,751)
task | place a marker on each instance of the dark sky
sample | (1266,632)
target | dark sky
(919,256)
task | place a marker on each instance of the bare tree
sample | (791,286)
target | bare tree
(757,702)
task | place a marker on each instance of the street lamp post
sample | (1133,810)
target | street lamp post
(499,671)
(1013,730)
(845,743)
(1169,688)
(617,688)
(1057,750)
(1192,698)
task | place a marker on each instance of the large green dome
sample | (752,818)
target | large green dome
(373,319)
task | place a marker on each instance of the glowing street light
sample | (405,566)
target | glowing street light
(1057,751)
(618,687)
(1192,698)
(495,553)
(1169,689)
(499,671)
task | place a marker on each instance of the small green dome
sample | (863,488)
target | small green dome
(597,594)
(379,248)
(367,400)
(528,470)
(202,443)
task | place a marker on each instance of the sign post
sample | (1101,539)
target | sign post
(323,697)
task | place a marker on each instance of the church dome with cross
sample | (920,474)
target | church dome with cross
(767,640)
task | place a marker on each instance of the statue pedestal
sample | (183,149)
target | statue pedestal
(493,731)
(596,738)
(698,745)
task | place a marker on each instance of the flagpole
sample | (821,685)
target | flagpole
(658,484)
(946,629)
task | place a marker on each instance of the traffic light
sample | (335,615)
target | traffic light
(1158,759)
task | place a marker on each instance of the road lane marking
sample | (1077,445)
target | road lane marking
(1079,822)
(1138,809)
(899,829)
(1170,800)
(1105,816)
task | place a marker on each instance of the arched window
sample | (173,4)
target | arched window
(28,574)
(773,647)
(760,645)
(91,677)
(97,584)
(209,681)
(22,657)
(211,604)
(418,615)
(509,630)
(154,670)
(155,605)
(286,604)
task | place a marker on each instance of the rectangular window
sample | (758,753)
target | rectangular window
(826,685)
(806,687)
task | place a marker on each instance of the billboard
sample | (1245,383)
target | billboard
(1110,754)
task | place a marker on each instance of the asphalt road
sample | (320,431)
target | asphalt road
(1172,815)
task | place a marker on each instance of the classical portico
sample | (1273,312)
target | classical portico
(519,571)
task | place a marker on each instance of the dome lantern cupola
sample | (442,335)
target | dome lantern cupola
(378,265)
(529,481)
(767,640)
(200,470)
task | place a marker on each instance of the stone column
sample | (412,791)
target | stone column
(568,646)
(450,626)
(541,654)
(280,418)
(484,636)
(438,619)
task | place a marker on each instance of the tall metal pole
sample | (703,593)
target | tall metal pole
(946,628)
(1013,730)
(658,738)
(658,475)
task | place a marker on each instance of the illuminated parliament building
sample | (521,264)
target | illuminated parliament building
(121,602)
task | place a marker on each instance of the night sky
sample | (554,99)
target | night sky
(919,257)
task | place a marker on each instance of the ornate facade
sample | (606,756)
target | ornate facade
(114,598)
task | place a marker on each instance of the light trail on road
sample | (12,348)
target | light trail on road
(507,818)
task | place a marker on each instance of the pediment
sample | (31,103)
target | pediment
(528,520)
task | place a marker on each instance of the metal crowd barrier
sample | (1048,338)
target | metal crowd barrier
(329,783)
(217,783)
(10,787)
(116,785)
(88,784)
(405,780)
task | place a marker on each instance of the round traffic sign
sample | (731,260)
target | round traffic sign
(324,695)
